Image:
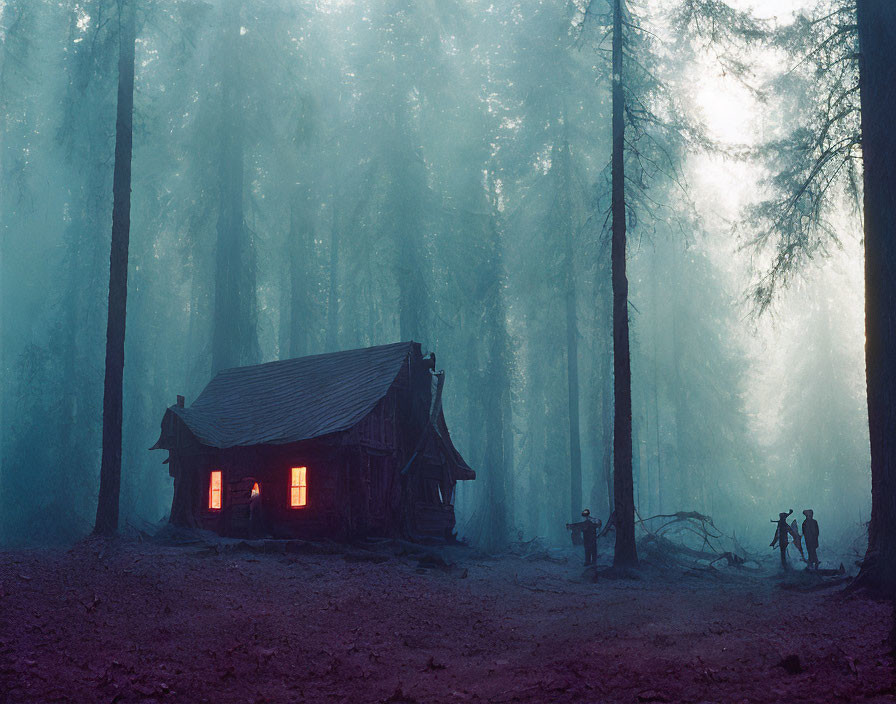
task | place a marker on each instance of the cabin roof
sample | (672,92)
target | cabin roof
(294,399)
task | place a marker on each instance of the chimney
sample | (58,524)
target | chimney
(180,401)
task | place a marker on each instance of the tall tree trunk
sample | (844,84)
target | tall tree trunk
(657,505)
(640,462)
(623,491)
(572,371)
(110,467)
(686,484)
(877,46)
(405,220)
(234,337)
(656,495)
(498,444)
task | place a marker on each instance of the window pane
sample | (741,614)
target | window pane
(298,487)
(214,491)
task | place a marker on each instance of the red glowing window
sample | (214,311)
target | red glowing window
(298,487)
(255,490)
(214,491)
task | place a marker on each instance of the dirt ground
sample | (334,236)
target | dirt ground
(136,622)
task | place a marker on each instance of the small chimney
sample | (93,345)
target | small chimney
(180,401)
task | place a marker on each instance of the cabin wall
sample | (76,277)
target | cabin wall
(270,467)
(428,487)
(430,490)
(353,486)
(374,486)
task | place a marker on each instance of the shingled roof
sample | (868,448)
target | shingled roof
(293,399)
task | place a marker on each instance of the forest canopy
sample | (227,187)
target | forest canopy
(316,176)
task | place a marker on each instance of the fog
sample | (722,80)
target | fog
(316,176)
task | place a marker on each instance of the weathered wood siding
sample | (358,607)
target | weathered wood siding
(354,478)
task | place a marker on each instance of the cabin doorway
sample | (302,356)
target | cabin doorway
(256,512)
(246,508)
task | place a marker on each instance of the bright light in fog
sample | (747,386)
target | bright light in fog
(727,109)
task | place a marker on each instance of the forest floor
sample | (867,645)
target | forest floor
(129,621)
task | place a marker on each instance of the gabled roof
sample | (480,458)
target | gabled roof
(293,399)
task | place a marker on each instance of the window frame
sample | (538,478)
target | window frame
(211,491)
(301,485)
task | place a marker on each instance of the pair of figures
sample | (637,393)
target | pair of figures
(784,532)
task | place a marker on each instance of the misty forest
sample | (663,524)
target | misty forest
(652,245)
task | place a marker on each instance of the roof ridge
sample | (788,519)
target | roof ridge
(321,355)
(286,401)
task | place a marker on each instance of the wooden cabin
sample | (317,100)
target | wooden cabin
(336,445)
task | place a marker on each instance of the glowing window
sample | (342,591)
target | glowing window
(255,490)
(298,487)
(214,491)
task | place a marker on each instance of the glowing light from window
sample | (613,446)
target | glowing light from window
(214,491)
(298,487)
(255,490)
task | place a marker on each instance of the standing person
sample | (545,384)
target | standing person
(256,519)
(782,534)
(810,535)
(797,539)
(589,528)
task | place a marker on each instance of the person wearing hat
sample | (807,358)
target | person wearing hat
(810,534)
(589,528)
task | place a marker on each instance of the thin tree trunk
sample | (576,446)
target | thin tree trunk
(507,427)
(333,294)
(685,487)
(657,506)
(572,353)
(641,461)
(877,46)
(572,386)
(110,467)
(623,492)
(300,240)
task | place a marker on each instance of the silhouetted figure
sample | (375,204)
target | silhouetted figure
(256,520)
(810,535)
(589,528)
(797,539)
(782,534)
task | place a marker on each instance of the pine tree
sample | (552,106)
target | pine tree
(110,469)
